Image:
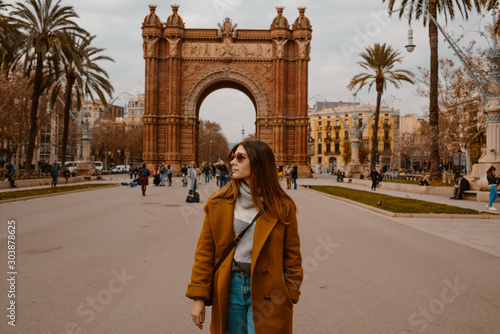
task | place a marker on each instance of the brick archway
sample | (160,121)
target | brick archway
(183,66)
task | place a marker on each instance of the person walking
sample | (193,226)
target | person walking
(288,176)
(224,173)
(217,174)
(144,178)
(192,177)
(265,268)
(375,176)
(294,174)
(170,172)
(493,181)
(207,171)
(54,172)
(163,171)
(184,170)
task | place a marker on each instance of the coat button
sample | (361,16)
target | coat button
(267,297)
(265,272)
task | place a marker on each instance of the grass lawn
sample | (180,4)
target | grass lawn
(392,203)
(44,191)
(432,183)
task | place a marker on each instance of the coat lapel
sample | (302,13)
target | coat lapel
(263,228)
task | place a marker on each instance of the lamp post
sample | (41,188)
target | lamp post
(210,152)
(490,91)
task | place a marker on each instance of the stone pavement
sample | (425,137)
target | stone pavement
(480,234)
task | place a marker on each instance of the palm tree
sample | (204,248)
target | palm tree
(43,26)
(9,38)
(379,61)
(420,9)
(81,75)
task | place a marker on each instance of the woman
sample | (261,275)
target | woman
(288,177)
(374,175)
(492,182)
(144,178)
(170,171)
(254,289)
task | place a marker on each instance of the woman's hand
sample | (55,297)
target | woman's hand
(198,312)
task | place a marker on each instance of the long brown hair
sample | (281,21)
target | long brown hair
(490,170)
(264,181)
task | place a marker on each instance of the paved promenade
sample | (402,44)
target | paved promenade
(113,261)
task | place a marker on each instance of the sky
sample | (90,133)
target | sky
(341,30)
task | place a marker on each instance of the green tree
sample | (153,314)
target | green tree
(420,9)
(81,75)
(379,61)
(43,26)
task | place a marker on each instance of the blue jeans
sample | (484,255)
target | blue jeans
(294,181)
(223,181)
(493,194)
(162,182)
(239,312)
(207,178)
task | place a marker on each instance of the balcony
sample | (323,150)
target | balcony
(337,127)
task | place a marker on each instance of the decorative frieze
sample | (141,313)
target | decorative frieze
(227,49)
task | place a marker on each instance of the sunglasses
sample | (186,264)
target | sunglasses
(238,156)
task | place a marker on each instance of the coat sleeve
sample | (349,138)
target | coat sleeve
(204,258)
(292,259)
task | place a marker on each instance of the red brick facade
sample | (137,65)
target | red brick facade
(183,66)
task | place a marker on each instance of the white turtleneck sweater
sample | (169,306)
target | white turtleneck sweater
(244,213)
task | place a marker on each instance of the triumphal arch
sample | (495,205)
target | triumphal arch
(183,66)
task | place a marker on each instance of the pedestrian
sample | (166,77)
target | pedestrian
(192,177)
(184,171)
(265,269)
(374,175)
(493,181)
(11,172)
(170,172)
(294,175)
(54,172)
(288,176)
(207,171)
(463,185)
(163,171)
(217,174)
(144,178)
(224,174)
(66,174)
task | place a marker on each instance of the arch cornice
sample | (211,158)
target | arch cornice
(231,75)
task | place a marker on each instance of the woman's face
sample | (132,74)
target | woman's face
(240,165)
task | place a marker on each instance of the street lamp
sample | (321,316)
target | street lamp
(210,152)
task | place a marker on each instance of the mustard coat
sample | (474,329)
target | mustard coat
(276,270)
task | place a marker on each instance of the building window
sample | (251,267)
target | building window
(320,149)
(337,148)
(386,135)
(387,146)
(320,160)
(328,123)
(328,148)
(337,123)
(366,143)
(319,136)
(386,122)
(337,135)
(346,134)
(319,124)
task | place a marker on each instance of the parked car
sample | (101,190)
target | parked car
(98,165)
(71,165)
(121,169)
